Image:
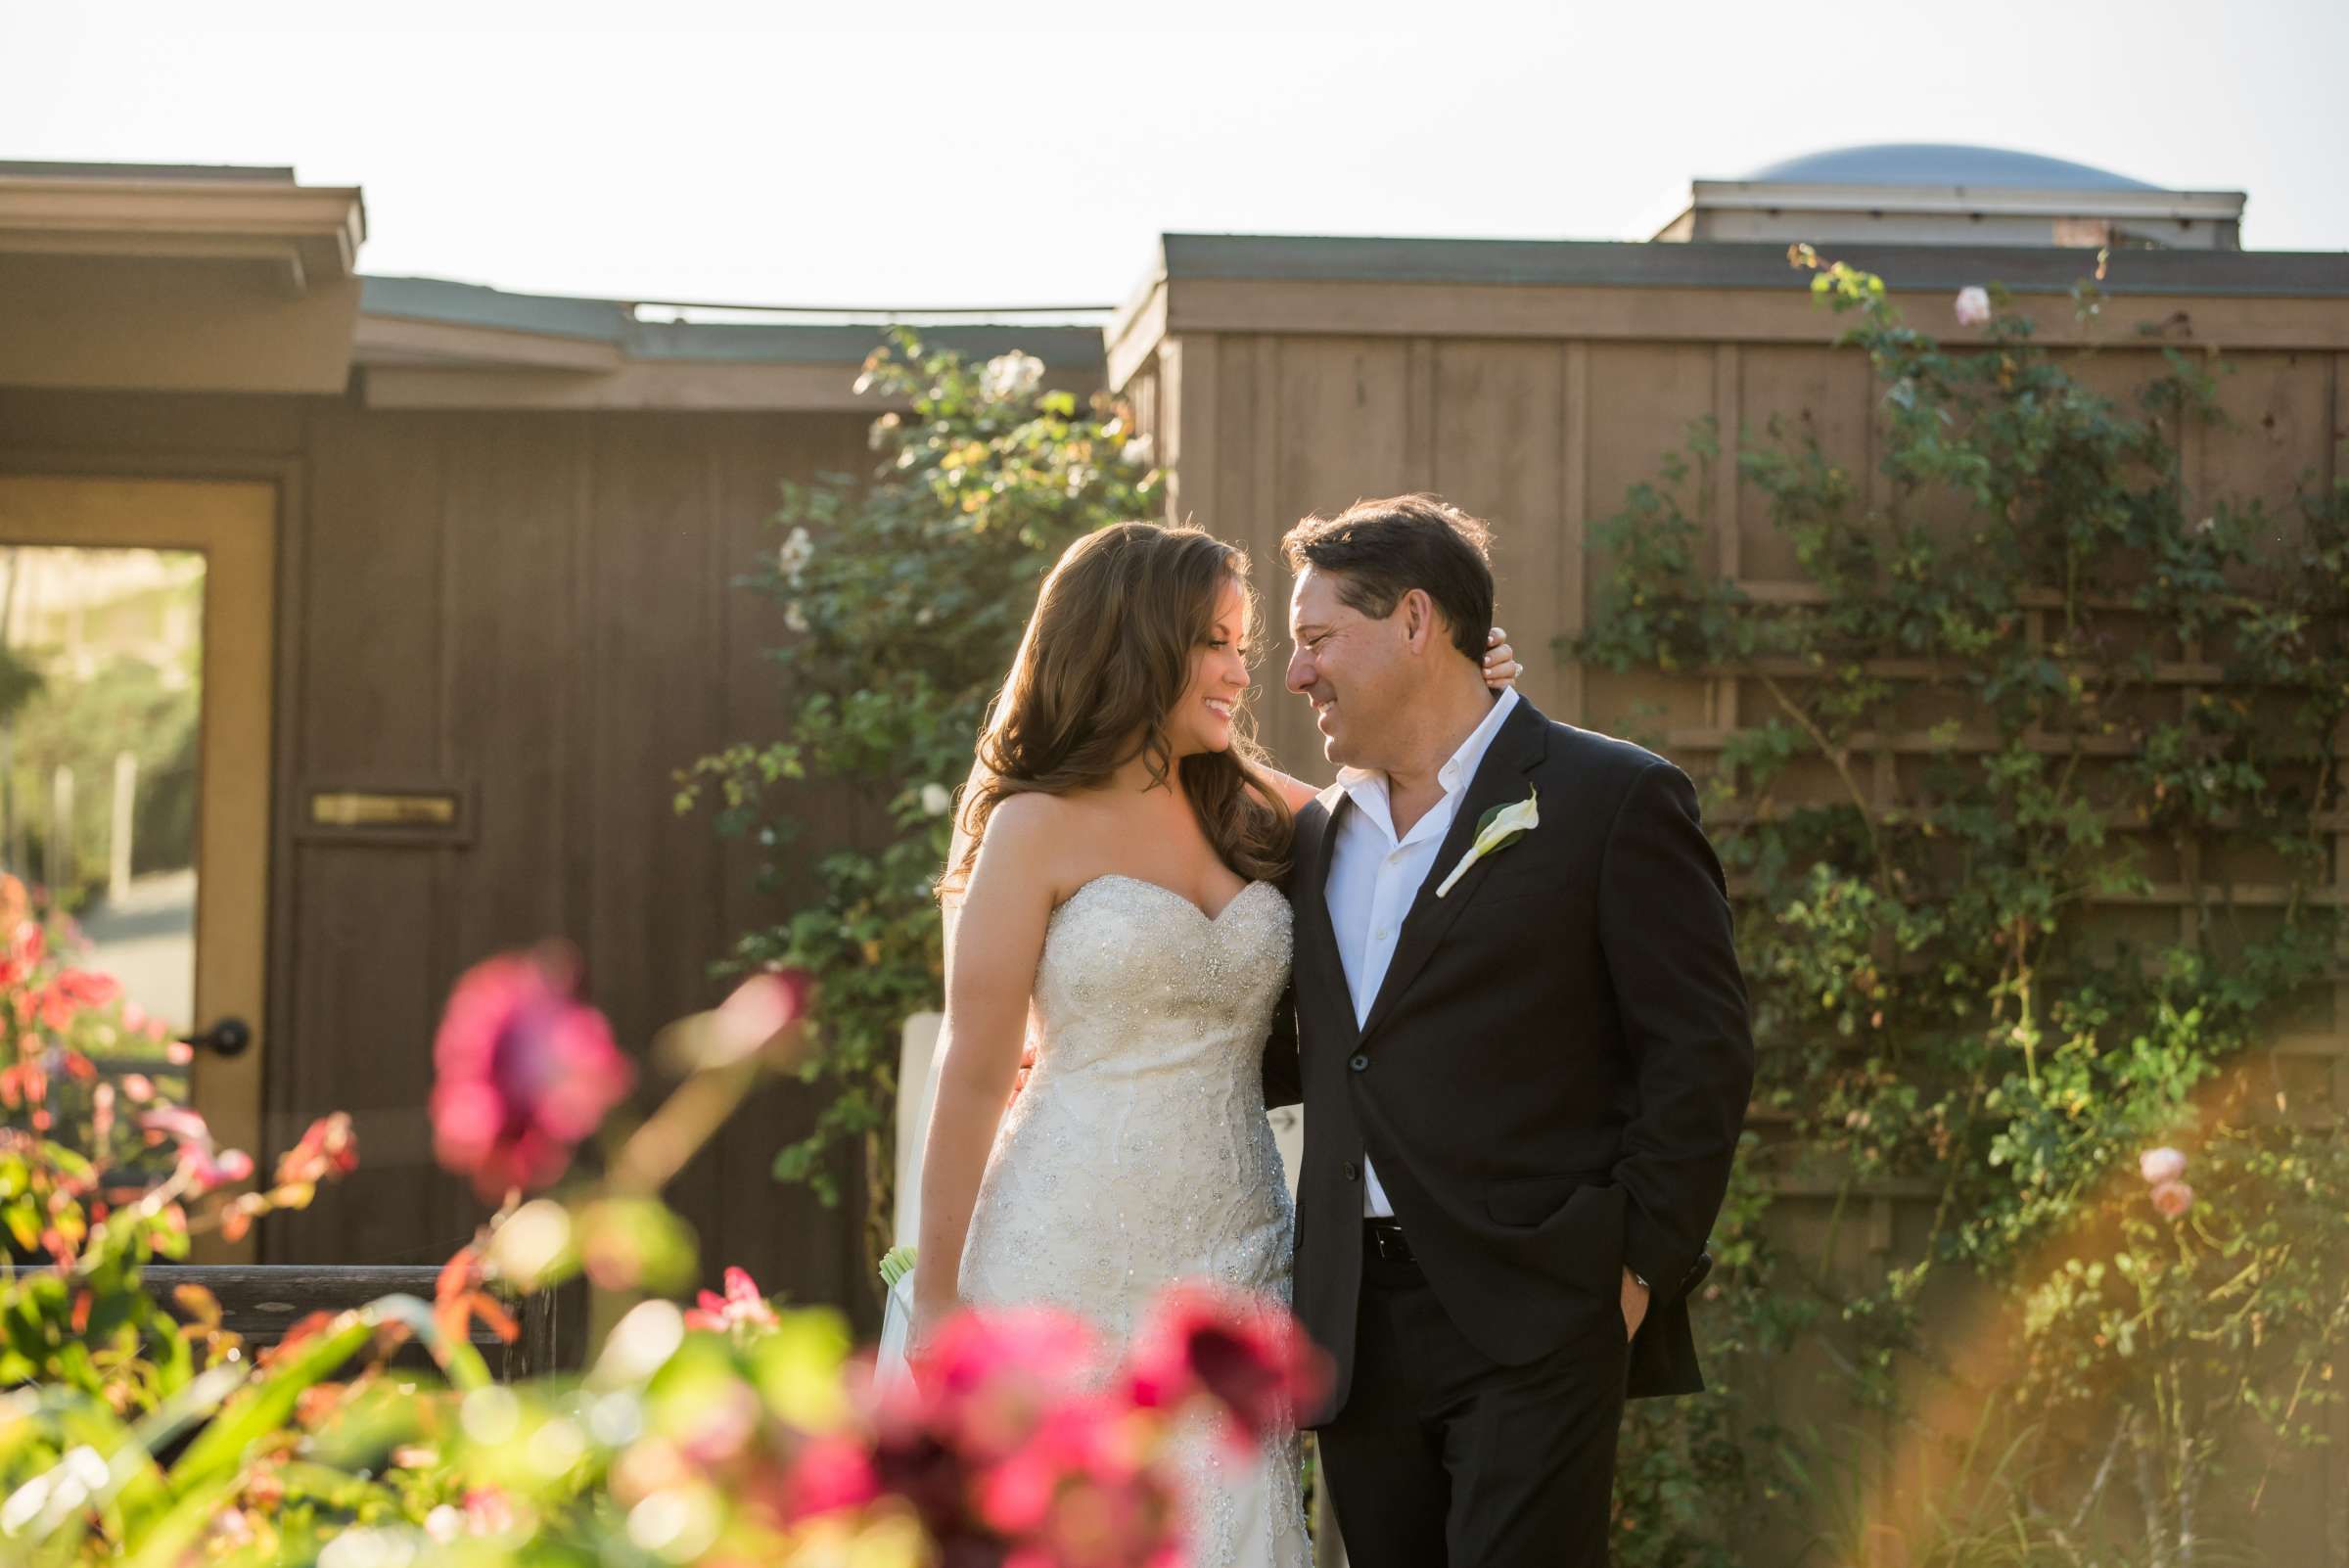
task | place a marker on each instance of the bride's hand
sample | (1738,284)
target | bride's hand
(1019,1079)
(922,1327)
(1501,667)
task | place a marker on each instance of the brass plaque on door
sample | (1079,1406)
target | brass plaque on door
(354,808)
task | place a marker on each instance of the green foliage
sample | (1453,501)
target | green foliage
(2095,686)
(907,594)
(127,705)
(727,1433)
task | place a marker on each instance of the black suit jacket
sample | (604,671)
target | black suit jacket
(1555,1070)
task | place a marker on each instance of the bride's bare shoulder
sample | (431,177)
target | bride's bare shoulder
(1043,833)
(1028,815)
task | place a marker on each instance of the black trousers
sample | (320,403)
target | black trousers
(1444,1459)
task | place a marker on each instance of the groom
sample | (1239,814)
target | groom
(1523,1080)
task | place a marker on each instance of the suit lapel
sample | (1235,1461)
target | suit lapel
(1501,779)
(1318,938)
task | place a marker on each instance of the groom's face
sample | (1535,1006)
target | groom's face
(1355,670)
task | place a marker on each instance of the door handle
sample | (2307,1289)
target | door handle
(227,1038)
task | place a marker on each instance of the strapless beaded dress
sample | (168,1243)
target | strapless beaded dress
(1139,1154)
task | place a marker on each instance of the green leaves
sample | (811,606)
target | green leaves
(2011,751)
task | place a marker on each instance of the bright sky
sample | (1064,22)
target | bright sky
(706,151)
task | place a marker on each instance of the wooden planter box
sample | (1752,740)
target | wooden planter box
(261,1301)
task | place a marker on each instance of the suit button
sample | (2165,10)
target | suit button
(1360,1063)
(1348,1168)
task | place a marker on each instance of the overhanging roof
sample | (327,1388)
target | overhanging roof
(302,236)
(1379,286)
(171,277)
(1615,263)
(432,342)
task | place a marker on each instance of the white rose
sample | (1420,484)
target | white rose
(937,800)
(1973,306)
(797,550)
(1011,376)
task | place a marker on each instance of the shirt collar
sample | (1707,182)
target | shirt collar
(1456,774)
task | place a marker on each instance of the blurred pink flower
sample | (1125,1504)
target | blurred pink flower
(2172,1198)
(985,1379)
(206,1171)
(1973,306)
(1082,1443)
(761,1008)
(2157,1166)
(1250,1357)
(741,1307)
(523,1072)
(176,1122)
(721,1425)
(488,1512)
(201,1166)
(833,1471)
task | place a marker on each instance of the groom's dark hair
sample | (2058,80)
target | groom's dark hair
(1381,550)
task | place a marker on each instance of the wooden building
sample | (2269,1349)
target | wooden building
(466,609)
(466,597)
(1536,383)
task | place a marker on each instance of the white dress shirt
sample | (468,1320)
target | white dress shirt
(1374,877)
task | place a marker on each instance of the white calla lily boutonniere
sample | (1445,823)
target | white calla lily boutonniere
(1501,827)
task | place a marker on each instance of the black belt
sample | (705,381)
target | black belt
(1384,1238)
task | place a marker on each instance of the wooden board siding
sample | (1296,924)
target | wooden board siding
(536,610)
(1322,393)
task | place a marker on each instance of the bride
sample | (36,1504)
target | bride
(1113,891)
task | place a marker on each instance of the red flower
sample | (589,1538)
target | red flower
(1249,1357)
(23,1085)
(524,1072)
(741,1307)
(328,1148)
(461,1293)
(75,992)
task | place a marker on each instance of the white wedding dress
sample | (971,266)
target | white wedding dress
(1139,1154)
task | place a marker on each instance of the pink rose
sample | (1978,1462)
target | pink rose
(2161,1165)
(523,1072)
(741,1307)
(2172,1198)
(1249,1361)
(1973,306)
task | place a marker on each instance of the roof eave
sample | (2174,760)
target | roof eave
(1961,200)
(309,234)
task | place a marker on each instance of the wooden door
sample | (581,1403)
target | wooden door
(138,617)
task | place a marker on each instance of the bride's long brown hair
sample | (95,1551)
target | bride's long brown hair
(1106,657)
